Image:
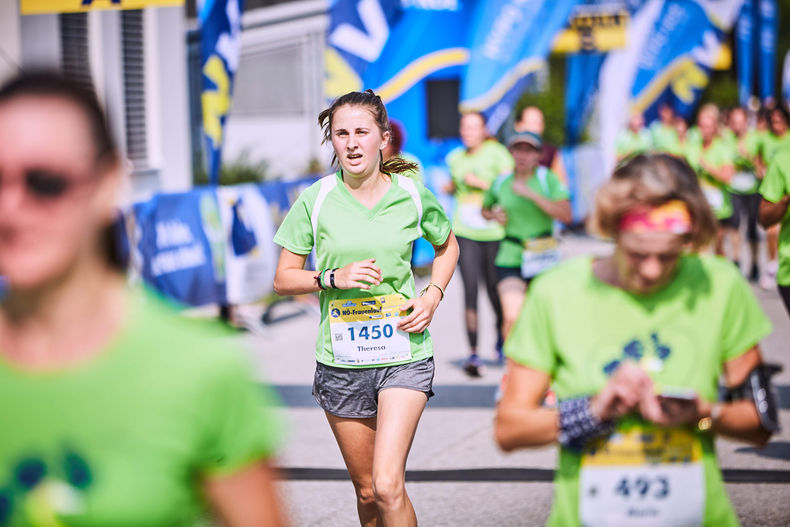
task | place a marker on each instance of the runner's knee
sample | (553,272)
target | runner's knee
(389,490)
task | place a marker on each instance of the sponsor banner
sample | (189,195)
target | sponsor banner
(683,47)
(358,33)
(510,39)
(178,246)
(38,7)
(786,79)
(250,255)
(594,27)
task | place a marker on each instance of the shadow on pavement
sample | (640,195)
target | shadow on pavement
(773,450)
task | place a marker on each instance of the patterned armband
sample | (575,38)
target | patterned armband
(578,425)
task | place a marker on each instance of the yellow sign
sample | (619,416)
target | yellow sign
(592,31)
(37,7)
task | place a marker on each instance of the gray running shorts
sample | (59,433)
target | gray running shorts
(354,392)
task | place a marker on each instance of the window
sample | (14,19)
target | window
(133,57)
(442,103)
(270,82)
(74,47)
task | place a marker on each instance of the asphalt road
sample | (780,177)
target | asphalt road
(456,475)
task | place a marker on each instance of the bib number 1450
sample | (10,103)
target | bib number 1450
(371,332)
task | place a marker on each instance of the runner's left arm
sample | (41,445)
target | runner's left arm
(423,307)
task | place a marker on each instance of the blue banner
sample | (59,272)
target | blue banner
(744,52)
(675,64)
(510,40)
(786,79)
(358,32)
(220,31)
(581,83)
(179,246)
(767,50)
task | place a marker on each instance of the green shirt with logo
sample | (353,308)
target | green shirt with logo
(578,329)
(126,437)
(718,154)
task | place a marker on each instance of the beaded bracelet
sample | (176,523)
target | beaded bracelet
(578,425)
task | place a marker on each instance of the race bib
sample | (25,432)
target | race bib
(743,181)
(713,194)
(643,477)
(470,209)
(364,330)
(539,254)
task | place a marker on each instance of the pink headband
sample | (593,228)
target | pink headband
(673,216)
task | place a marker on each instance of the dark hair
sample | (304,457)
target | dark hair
(373,103)
(50,84)
(397,136)
(652,179)
(782,111)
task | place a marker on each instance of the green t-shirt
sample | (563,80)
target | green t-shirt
(577,328)
(773,144)
(664,138)
(488,162)
(775,185)
(745,180)
(525,220)
(346,231)
(125,438)
(718,154)
(629,143)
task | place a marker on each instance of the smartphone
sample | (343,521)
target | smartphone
(673,398)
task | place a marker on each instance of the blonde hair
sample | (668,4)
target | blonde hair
(652,179)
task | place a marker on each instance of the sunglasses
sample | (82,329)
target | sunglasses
(46,185)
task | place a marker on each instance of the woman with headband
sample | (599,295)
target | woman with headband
(634,344)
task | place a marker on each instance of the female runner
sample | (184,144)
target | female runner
(374,354)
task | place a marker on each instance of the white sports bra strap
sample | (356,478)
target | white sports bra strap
(327,184)
(409,186)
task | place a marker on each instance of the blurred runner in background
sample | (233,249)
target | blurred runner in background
(635,139)
(473,168)
(634,345)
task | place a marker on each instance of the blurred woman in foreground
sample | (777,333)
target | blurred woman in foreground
(117,411)
(634,344)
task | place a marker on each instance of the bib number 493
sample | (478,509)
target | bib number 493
(643,486)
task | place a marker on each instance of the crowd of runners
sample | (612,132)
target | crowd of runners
(125,413)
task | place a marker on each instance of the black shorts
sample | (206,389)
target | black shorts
(510,272)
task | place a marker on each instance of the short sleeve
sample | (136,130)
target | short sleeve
(241,420)
(557,189)
(774,185)
(491,197)
(745,324)
(451,162)
(506,163)
(435,224)
(530,342)
(296,231)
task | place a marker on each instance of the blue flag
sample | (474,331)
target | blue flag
(744,52)
(676,61)
(220,31)
(767,49)
(510,40)
(581,82)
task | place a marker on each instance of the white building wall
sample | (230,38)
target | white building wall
(287,137)
(10,39)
